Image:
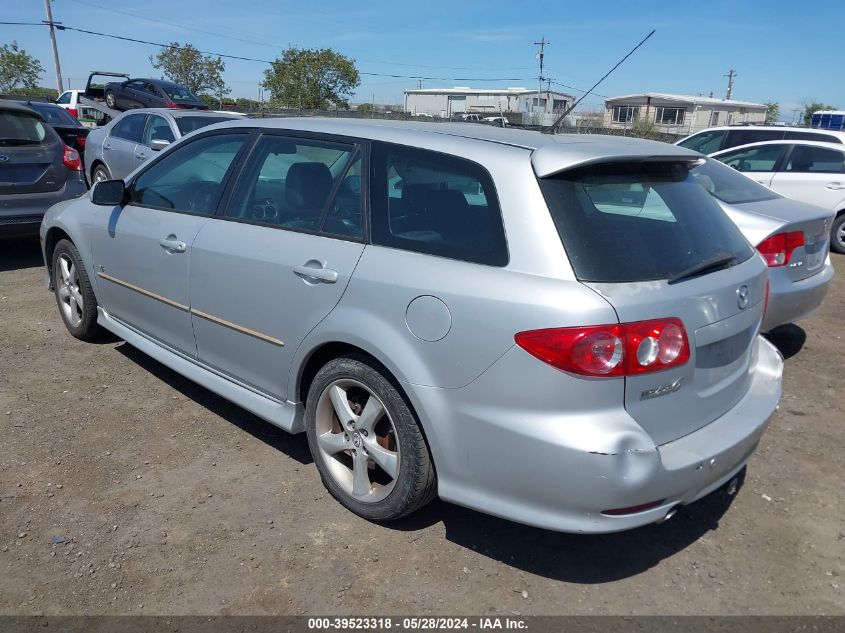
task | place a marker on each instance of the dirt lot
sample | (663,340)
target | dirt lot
(125,488)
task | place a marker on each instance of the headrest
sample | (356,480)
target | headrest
(308,185)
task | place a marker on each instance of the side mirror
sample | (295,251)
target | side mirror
(158,144)
(108,193)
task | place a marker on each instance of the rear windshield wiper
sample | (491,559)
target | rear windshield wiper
(709,265)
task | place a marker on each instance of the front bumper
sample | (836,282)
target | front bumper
(791,301)
(558,466)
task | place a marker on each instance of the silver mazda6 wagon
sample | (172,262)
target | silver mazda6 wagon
(559,330)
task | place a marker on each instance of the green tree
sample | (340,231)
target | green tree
(365,107)
(18,69)
(311,78)
(814,106)
(188,67)
(772,111)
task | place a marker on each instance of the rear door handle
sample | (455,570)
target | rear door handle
(835,186)
(315,270)
(173,245)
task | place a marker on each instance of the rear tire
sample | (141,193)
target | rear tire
(372,457)
(74,294)
(837,234)
(100,173)
(110,100)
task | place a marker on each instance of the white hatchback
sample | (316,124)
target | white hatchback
(808,171)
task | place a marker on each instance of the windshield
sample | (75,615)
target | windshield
(20,128)
(188,124)
(626,222)
(178,93)
(55,115)
(728,185)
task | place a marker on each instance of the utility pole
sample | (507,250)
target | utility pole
(55,48)
(419,84)
(541,56)
(731,75)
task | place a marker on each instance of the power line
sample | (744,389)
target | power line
(557,83)
(254,59)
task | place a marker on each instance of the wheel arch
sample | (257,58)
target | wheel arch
(54,235)
(326,351)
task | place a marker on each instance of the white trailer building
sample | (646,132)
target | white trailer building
(679,114)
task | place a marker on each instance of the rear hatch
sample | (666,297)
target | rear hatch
(30,154)
(645,236)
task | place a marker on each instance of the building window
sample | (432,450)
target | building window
(670,116)
(542,102)
(625,114)
(714,118)
(559,105)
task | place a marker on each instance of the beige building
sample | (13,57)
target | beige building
(679,114)
(449,102)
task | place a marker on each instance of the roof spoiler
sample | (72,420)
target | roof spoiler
(553,159)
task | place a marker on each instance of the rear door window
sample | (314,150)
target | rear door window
(764,158)
(130,128)
(809,159)
(436,204)
(290,182)
(627,222)
(744,136)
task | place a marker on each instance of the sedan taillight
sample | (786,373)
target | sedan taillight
(73,112)
(71,159)
(624,349)
(777,249)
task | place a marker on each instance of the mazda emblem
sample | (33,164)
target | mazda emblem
(742,297)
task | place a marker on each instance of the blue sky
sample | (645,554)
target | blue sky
(783,51)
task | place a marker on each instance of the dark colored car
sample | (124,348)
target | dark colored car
(68,127)
(37,169)
(150,93)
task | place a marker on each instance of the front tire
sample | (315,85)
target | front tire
(837,234)
(74,294)
(366,443)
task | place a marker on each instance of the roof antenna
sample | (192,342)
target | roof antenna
(552,129)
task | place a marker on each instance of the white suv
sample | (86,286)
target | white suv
(715,139)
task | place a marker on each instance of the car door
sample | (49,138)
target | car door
(158,128)
(277,261)
(813,174)
(119,146)
(758,162)
(142,249)
(133,94)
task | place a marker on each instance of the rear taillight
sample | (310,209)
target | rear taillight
(175,106)
(610,350)
(73,112)
(777,249)
(71,159)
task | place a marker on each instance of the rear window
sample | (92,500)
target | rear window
(178,93)
(188,124)
(728,185)
(627,222)
(20,128)
(55,115)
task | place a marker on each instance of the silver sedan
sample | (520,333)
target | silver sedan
(793,237)
(117,149)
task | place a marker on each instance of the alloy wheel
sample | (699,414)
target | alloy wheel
(357,440)
(67,289)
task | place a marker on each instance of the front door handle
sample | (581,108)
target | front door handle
(835,186)
(173,245)
(315,270)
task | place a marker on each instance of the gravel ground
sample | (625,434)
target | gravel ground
(125,488)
